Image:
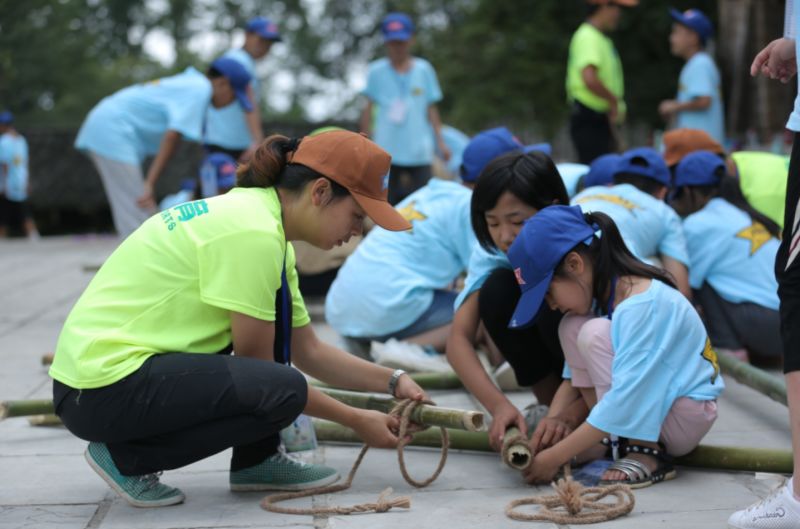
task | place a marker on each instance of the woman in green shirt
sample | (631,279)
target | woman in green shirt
(143,368)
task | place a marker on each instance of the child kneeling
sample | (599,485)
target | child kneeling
(636,350)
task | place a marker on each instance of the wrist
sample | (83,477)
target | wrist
(394,380)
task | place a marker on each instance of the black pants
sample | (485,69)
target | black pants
(788,273)
(738,325)
(591,133)
(180,408)
(405,179)
(533,352)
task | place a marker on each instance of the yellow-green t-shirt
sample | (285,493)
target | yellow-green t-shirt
(591,47)
(762,179)
(171,286)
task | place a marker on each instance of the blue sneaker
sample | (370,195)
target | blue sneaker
(281,472)
(139,491)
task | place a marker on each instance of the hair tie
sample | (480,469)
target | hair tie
(290,147)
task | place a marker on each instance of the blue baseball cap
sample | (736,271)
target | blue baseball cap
(541,147)
(264,28)
(695,20)
(485,147)
(601,170)
(239,78)
(700,168)
(541,244)
(6,117)
(224,166)
(397,26)
(646,162)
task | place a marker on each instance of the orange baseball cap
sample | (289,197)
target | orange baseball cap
(623,3)
(355,162)
(680,142)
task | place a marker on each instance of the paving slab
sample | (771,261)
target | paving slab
(46,482)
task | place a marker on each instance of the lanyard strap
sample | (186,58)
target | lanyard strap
(611,296)
(283,320)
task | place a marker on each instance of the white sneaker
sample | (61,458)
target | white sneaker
(505,378)
(409,356)
(779,510)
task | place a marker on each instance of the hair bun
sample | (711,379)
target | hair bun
(291,145)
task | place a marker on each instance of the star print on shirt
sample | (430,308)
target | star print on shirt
(411,214)
(757,234)
(17,161)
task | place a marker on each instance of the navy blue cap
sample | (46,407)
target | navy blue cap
(541,244)
(646,162)
(397,26)
(264,28)
(6,117)
(700,168)
(695,20)
(238,76)
(601,170)
(224,167)
(485,147)
(541,147)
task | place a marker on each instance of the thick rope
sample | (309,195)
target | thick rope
(403,410)
(574,504)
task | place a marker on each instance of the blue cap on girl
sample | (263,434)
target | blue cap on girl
(541,244)
(700,168)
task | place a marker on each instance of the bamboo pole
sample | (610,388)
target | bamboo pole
(753,377)
(425,381)
(45,420)
(426,415)
(516,452)
(704,456)
(22,408)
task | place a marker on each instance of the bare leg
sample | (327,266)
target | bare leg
(545,389)
(437,338)
(793,396)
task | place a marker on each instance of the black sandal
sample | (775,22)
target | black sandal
(637,474)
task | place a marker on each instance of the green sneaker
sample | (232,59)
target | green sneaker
(282,472)
(139,491)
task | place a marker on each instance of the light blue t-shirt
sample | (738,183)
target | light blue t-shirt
(128,125)
(699,78)
(648,225)
(481,265)
(570,174)
(388,282)
(227,126)
(661,353)
(733,253)
(793,30)
(456,141)
(14,158)
(402,126)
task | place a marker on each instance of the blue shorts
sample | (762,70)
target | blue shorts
(438,314)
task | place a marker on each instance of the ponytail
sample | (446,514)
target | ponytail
(267,165)
(610,257)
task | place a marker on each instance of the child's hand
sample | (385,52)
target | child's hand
(541,470)
(776,61)
(503,417)
(549,431)
(376,429)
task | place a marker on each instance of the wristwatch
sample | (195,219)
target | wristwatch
(393,381)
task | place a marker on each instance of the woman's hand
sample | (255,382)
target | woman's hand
(776,61)
(549,431)
(503,417)
(408,389)
(542,469)
(376,429)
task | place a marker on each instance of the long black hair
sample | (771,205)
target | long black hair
(610,258)
(729,190)
(532,178)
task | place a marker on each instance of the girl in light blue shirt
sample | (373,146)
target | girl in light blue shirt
(732,249)
(636,351)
